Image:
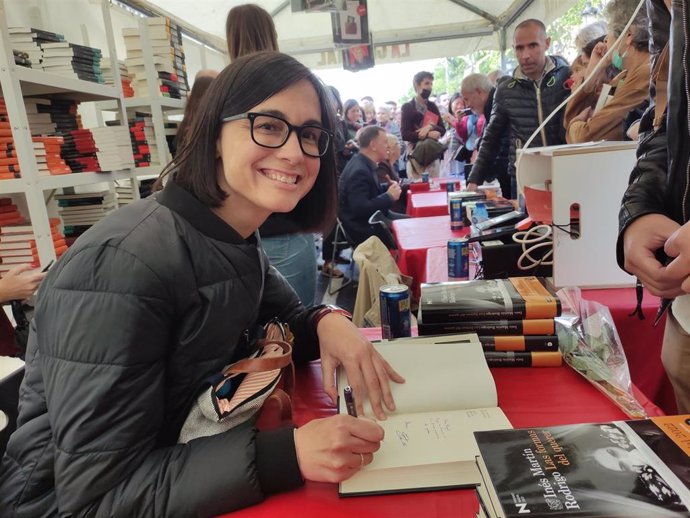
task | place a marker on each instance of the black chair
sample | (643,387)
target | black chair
(340,241)
(379,225)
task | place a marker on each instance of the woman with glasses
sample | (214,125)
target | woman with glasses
(249,28)
(149,304)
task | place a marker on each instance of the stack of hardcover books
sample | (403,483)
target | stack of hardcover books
(17,239)
(513,317)
(81,211)
(47,116)
(125,79)
(48,157)
(9,213)
(26,41)
(143,140)
(72,60)
(50,52)
(9,163)
(80,151)
(616,469)
(165,39)
(114,147)
(124,192)
(38,113)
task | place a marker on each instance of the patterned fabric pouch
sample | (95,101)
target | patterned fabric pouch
(256,385)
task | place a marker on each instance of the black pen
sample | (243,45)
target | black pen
(350,401)
(663,308)
(665,303)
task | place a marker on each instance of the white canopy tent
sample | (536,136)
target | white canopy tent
(401,30)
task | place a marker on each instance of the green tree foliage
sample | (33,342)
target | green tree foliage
(563,30)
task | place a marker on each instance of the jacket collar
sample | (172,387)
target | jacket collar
(548,67)
(198,215)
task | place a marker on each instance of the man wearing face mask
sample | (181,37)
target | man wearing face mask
(421,120)
(523,102)
(629,88)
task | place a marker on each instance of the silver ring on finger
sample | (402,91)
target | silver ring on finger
(361,464)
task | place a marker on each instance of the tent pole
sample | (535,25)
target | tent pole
(503,46)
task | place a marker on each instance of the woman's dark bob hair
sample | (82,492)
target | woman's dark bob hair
(246,82)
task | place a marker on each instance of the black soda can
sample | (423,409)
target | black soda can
(455,211)
(458,259)
(395,311)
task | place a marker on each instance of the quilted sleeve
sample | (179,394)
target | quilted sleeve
(104,327)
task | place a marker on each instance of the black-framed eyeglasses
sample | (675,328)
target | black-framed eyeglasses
(273,132)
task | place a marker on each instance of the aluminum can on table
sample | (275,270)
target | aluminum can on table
(456,215)
(458,259)
(395,311)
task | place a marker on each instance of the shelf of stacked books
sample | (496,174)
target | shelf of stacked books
(38,82)
(167,104)
(17,238)
(47,146)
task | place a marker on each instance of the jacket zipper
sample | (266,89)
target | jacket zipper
(687,101)
(540,113)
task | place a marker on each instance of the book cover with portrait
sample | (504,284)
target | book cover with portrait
(614,469)
(515,298)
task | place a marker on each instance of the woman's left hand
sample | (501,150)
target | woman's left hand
(367,372)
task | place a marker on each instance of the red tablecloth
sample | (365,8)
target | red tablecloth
(529,397)
(425,204)
(438,184)
(419,187)
(640,339)
(414,236)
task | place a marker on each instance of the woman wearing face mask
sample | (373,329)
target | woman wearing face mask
(629,88)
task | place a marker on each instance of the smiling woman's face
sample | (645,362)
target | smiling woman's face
(260,180)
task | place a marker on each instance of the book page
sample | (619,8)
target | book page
(604,97)
(433,450)
(434,437)
(449,375)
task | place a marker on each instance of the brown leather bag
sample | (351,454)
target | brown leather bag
(259,387)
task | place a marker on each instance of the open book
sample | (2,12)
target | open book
(449,393)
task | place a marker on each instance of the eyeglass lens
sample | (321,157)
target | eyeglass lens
(273,132)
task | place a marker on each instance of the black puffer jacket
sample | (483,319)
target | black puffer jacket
(128,325)
(660,181)
(520,106)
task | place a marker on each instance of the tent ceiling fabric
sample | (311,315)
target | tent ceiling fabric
(402,30)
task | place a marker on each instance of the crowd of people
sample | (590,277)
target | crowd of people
(164,293)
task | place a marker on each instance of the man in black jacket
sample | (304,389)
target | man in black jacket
(656,206)
(360,192)
(522,103)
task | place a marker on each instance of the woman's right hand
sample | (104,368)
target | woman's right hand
(641,240)
(335,448)
(20,283)
(597,54)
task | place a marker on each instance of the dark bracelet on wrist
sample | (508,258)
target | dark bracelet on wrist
(327,309)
